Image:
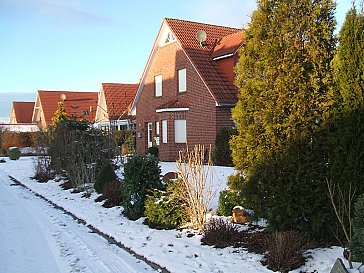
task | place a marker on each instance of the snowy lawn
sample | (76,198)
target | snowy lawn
(171,249)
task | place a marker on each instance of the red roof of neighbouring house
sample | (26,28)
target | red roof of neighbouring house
(23,111)
(75,104)
(220,41)
(119,97)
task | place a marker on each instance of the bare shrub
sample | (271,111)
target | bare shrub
(43,171)
(254,240)
(219,233)
(343,203)
(80,152)
(197,183)
(42,163)
(285,250)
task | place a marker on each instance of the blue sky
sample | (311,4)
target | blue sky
(78,44)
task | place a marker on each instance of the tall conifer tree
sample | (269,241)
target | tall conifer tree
(349,61)
(284,76)
(347,127)
(286,89)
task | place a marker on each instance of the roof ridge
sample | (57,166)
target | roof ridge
(74,91)
(119,83)
(234,33)
(206,24)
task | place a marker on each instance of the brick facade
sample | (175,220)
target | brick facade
(207,102)
(201,116)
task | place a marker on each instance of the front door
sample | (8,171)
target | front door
(150,136)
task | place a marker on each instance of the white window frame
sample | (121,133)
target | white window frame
(164,131)
(150,134)
(182,80)
(158,85)
(157,127)
(180,131)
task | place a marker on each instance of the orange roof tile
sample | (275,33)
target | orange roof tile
(220,86)
(228,45)
(119,97)
(23,111)
(74,104)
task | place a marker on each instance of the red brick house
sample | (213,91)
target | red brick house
(78,105)
(114,105)
(186,91)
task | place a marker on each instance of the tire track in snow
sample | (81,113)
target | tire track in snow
(88,252)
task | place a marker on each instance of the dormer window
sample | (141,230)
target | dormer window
(170,38)
(85,112)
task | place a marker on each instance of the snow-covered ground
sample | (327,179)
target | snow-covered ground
(69,245)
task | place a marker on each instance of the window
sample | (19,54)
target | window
(164,131)
(170,38)
(150,135)
(158,85)
(84,112)
(157,127)
(180,135)
(182,86)
(123,127)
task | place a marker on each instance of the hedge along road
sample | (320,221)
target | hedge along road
(36,237)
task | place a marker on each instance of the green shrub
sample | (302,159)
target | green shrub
(222,153)
(232,196)
(107,174)
(140,175)
(153,151)
(357,243)
(228,199)
(14,153)
(165,209)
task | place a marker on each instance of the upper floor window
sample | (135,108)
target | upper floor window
(170,38)
(158,85)
(84,112)
(182,85)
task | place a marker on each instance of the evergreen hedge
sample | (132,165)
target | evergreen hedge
(107,174)
(357,243)
(222,153)
(141,174)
